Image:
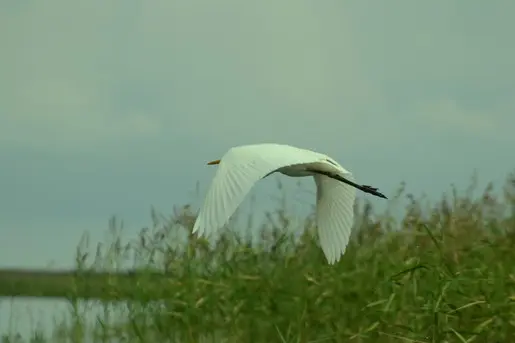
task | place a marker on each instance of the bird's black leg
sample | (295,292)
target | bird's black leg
(364,188)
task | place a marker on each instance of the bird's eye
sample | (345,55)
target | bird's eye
(332,162)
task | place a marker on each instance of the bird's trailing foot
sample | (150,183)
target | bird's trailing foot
(372,190)
(364,188)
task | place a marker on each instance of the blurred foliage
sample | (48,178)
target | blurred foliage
(444,272)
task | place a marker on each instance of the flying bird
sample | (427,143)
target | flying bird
(241,167)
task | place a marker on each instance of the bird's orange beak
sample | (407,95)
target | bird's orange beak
(214,162)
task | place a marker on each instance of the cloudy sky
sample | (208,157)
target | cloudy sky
(111,107)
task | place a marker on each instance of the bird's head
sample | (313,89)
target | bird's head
(213,162)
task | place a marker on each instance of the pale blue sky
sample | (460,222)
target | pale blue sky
(109,107)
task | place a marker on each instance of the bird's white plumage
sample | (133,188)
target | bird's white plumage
(241,167)
(334,215)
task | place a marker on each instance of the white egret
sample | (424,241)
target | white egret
(241,167)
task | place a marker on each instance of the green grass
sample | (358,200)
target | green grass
(444,273)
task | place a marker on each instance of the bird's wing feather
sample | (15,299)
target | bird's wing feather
(334,215)
(238,171)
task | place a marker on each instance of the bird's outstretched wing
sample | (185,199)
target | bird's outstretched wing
(334,215)
(239,169)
